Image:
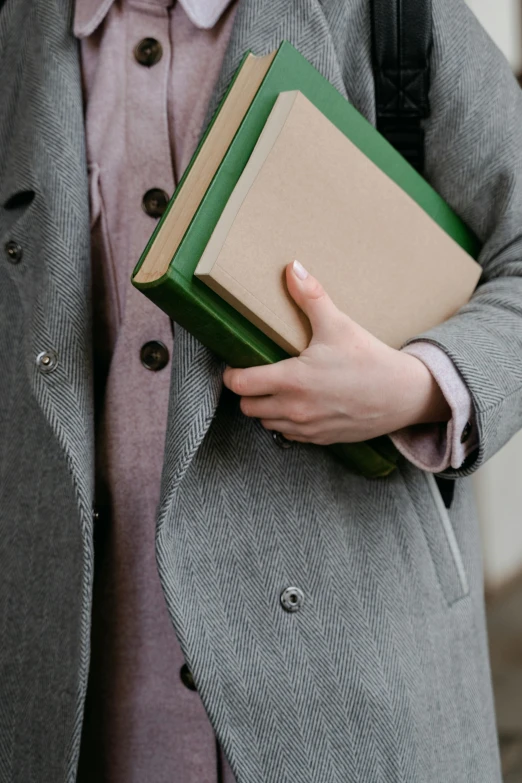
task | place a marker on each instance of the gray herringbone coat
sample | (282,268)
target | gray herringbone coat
(383,674)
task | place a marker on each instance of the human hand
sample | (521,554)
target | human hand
(346,387)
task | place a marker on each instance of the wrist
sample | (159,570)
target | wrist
(425,402)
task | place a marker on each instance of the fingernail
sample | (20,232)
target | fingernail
(299,270)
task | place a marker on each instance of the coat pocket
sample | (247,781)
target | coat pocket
(422,492)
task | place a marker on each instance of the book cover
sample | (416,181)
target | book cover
(308,192)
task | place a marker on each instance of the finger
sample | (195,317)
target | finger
(313,300)
(260,381)
(285,427)
(270,407)
(304,433)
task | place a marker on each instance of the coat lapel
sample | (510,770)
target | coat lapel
(42,158)
(196,372)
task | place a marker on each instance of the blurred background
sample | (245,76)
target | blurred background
(498,489)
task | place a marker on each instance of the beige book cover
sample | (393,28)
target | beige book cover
(309,193)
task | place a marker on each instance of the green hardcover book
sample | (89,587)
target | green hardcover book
(165,272)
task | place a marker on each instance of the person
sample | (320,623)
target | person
(186,597)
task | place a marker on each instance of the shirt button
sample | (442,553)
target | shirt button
(46,361)
(154,355)
(148,52)
(187,678)
(155,202)
(281,441)
(292,599)
(14,252)
(466,432)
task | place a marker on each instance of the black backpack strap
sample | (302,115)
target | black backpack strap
(402,34)
(402,38)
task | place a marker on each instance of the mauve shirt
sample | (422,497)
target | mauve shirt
(142,723)
(142,126)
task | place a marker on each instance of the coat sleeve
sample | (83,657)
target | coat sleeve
(474,160)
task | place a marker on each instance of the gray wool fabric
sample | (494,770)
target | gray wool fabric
(383,674)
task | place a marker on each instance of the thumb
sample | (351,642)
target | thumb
(308,293)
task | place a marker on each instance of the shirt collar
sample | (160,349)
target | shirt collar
(89,14)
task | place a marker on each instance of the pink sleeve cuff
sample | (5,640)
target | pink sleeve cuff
(437,447)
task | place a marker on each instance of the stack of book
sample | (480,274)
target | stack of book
(288,169)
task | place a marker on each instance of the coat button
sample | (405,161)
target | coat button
(466,432)
(148,52)
(46,361)
(154,355)
(14,252)
(187,678)
(292,599)
(281,441)
(155,202)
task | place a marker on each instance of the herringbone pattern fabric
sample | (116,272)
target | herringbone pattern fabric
(357,685)
(383,674)
(357,681)
(46,467)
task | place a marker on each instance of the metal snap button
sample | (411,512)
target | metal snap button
(14,252)
(154,355)
(281,441)
(155,202)
(148,52)
(46,361)
(466,432)
(99,514)
(292,599)
(187,678)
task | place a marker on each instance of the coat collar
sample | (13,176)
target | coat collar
(89,14)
